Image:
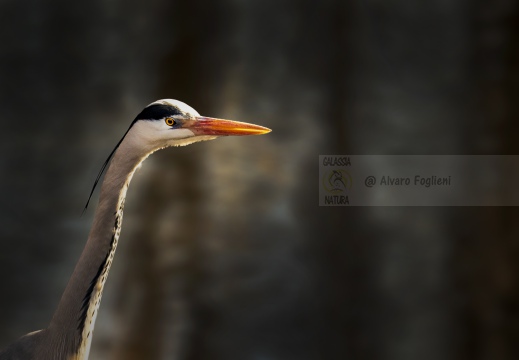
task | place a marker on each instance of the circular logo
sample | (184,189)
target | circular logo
(337,181)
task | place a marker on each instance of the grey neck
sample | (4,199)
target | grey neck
(74,319)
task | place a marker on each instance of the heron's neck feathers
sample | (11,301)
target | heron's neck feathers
(77,310)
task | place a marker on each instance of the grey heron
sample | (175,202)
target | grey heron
(161,124)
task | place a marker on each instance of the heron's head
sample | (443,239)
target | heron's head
(170,122)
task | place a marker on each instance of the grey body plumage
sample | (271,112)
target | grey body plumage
(161,124)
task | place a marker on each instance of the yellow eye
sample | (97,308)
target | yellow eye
(170,121)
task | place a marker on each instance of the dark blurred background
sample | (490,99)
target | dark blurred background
(225,253)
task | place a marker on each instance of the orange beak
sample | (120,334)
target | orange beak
(220,127)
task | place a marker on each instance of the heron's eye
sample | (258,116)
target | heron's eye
(169,121)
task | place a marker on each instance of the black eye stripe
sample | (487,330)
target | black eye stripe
(158,112)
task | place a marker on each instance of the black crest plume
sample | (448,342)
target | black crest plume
(152,112)
(107,161)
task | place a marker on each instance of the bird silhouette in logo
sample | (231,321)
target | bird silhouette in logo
(337,181)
